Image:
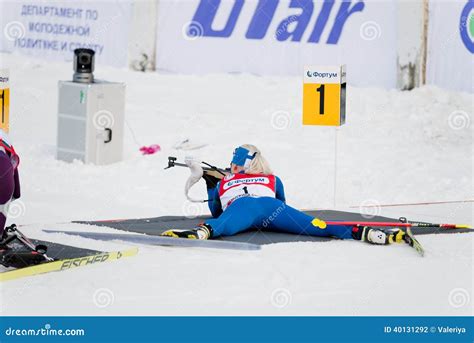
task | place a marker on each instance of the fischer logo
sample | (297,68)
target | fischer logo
(290,28)
(466,26)
(322,75)
(80,261)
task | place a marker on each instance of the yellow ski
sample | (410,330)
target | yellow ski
(66,264)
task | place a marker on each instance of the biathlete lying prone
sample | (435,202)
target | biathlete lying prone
(251,196)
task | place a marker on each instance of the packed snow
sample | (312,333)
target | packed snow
(396,147)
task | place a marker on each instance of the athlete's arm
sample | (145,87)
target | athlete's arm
(212,178)
(214,201)
(279,189)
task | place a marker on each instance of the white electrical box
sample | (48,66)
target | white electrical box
(91,122)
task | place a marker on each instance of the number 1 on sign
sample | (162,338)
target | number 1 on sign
(321,104)
(4,98)
(320,90)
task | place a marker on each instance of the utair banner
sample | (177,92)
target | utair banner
(278,37)
(264,15)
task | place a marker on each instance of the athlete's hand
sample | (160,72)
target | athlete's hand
(212,177)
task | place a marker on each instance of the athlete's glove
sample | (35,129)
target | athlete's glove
(212,177)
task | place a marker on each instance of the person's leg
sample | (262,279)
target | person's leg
(241,215)
(7,186)
(284,218)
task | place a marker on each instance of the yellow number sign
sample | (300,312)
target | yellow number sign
(4,100)
(324,96)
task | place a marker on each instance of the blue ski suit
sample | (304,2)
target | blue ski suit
(247,210)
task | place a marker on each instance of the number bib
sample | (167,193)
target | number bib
(236,186)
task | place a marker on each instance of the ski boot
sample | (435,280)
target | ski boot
(202,231)
(7,236)
(12,234)
(377,235)
(17,251)
(20,259)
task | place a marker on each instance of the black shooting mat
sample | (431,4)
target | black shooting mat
(156,226)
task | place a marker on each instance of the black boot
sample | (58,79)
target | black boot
(17,251)
(21,259)
(7,236)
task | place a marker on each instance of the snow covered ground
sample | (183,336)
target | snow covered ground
(396,147)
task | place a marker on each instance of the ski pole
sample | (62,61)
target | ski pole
(400,224)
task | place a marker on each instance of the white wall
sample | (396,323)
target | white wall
(450,62)
(383,45)
(410,38)
(142,42)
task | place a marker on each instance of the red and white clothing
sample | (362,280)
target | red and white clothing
(235,186)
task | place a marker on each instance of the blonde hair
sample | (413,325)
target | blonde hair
(259,164)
